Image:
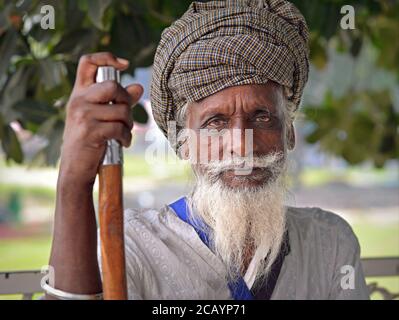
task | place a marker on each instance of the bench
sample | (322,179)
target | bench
(27,283)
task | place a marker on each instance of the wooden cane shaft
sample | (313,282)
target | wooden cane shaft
(111,232)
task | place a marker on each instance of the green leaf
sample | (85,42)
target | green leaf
(14,91)
(41,35)
(73,16)
(11,145)
(356,46)
(22,7)
(4,14)
(83,5)
(53,149)
(49,155)
(33,111)
(96,11)
(318,54)
(129,38)
(76,42)
(1,127)
(48,126)
(7,49)
(52,72)
(140,115)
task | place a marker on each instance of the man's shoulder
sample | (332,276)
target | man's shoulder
(317,215)
(317,221)
(323,242)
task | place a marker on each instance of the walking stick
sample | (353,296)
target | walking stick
(111,211)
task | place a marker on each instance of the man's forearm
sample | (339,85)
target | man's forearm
(74,248)
(89,124)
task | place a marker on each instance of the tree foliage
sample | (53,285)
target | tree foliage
(362,124)
(38,67)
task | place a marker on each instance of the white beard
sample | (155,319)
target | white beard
(243,217)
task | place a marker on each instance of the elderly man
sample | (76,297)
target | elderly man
(234,70)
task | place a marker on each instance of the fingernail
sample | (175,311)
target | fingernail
(139,92)
(122,61)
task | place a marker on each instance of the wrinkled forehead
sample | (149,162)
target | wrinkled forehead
(248,97)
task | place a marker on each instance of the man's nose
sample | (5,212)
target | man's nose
(241,140)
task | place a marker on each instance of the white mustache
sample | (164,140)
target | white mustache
(244,165)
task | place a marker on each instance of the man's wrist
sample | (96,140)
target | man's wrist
(70,177)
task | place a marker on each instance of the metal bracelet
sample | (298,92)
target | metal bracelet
(62,295)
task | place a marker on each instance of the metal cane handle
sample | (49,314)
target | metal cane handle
(113,152)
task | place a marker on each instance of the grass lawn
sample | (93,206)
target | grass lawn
(355,175)
(379,241)
(23,254)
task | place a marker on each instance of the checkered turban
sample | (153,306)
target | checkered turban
(220,44)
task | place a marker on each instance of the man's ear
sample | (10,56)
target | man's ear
(184,151)
(291,137)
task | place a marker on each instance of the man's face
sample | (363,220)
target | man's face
(245,211)
(236,115)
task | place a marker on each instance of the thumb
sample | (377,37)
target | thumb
(135,91)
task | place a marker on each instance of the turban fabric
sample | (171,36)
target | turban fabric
(220,44)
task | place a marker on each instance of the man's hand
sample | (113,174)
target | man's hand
(90,121)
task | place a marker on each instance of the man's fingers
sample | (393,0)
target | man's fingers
(106,92)
(113,113)
(114,130)
(89,63)
(135,91)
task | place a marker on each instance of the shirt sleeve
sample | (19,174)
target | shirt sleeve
(348,282)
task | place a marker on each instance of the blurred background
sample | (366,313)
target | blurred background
(346,158)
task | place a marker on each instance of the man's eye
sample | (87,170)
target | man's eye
(216,123)
(263,118)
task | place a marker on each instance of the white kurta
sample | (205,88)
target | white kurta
(166,259)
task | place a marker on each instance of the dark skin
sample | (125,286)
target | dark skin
(253,107)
